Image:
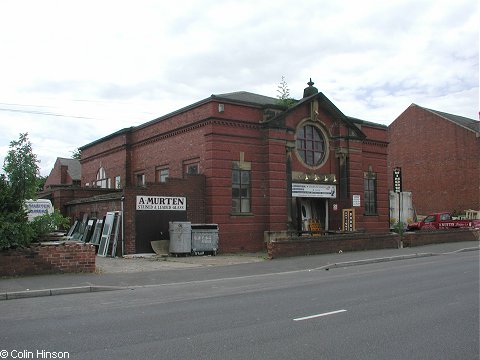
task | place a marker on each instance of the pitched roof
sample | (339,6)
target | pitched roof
(470,124)
(247,97)
(74,167)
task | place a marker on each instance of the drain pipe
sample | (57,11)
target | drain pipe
(123,239)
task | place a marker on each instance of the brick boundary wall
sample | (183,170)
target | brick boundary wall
(300,246)
(48,258)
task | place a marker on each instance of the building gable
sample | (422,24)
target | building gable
(319,102)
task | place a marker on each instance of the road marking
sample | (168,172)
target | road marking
(319,315)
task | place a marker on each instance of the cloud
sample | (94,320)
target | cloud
(80,70)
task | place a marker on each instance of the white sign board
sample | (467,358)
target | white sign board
(37,208)
(314,190)
(356,200)
(161,203)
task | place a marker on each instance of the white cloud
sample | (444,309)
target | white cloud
(80,70)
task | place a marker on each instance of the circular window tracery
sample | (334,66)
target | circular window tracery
(310,145)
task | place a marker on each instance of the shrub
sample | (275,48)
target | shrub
(48,223)
(14,227)
(15,230)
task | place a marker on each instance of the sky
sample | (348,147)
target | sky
(74,71)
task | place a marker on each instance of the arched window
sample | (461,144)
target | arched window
(310,145)
(102,180)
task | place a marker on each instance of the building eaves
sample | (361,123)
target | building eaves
(241,97)
(112,135)
(365,122)
(248,98)
(97,198)
(467,123)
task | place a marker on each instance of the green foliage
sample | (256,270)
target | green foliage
(48,223)
(14,233)
(399,228)
(77,154)
(14,227)
(41,182)
(21,182)
(283,96)
(21,168)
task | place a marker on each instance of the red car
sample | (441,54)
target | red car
(443,220)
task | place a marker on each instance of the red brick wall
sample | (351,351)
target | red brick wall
(58,175)
(61,196)
(54,178)
(224,143)
(357,242)
(47,259)
(111,154)
(439,160)
(93,208)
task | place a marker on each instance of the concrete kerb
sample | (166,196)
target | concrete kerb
(59,291)
(391,258)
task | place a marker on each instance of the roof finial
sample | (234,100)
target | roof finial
(310,90)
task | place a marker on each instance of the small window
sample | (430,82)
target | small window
(343,181)
(162,175)
(101,180)
(370,193)
(118,184)
(140,179)
(192,169)
(241,196)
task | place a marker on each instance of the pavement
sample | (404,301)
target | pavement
(149,270)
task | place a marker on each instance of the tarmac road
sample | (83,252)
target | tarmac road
(408,307)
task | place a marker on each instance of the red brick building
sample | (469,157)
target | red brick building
(65,172)
(439,155)
(266,168)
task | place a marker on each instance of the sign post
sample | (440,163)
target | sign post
(397,188)
(397,180)
(348,220)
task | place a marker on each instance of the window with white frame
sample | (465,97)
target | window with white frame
(101,180)
(118,184)
(162,175)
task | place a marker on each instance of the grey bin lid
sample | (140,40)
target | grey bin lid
(204,226)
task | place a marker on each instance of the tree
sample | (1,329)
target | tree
(14,227)
(77,154)
(21,168)
(41,182)
(284,94)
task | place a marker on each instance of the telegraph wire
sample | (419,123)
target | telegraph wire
(47,114)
